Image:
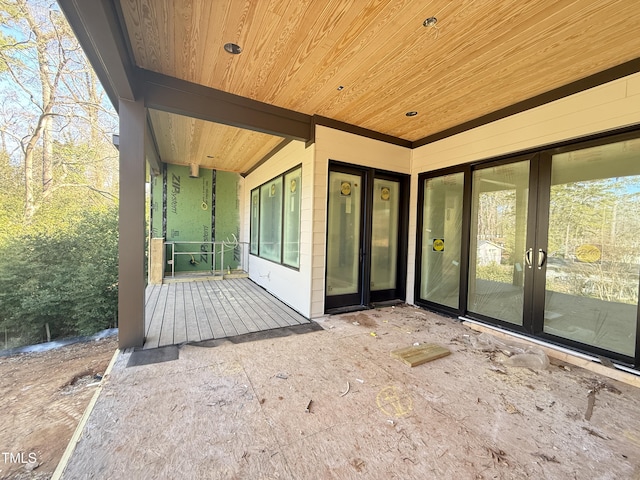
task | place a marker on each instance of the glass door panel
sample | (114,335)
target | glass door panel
(384,234)
(499,215)
(343,234)
(441,239)
(593,253)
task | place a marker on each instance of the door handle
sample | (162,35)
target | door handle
(527,257)
(542,256)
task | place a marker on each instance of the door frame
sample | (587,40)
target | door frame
(333,304)
(538,296)
(464,241)
(529,242)
(348,301)
(399,293)
(537,221)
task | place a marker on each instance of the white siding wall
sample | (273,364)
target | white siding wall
(606,107)
(291,286)
(349,148)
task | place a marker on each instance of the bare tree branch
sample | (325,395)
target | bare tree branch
(104,193)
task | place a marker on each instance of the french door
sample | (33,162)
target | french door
(366,237)
(553,245)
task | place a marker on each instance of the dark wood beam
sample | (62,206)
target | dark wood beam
(97,26)
(170,94)
(151,148)
(361,131)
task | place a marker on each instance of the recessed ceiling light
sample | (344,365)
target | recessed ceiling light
(233,48)
(411,114)
(209,156)
(430,22)
(341,87)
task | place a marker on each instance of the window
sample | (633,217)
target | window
(291,224)
(269,244)
(255,209)
(275,219)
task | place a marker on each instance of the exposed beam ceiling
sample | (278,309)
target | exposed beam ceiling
(184,98)
(481,60)
(480,56)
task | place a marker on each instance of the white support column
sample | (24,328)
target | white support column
(131,278)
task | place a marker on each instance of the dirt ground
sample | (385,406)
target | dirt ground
(333,404)
(42,398)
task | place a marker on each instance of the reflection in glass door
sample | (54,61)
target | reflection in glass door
(593,247)
(343,239)
(384,235)
(499,215)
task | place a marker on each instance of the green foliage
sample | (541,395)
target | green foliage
(58,181)
(67,279)
(495,272)
(11,205)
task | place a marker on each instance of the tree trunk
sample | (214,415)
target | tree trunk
(29,197)
(47,157)
(92,114)
(46,120)
(29,152)
(50,47)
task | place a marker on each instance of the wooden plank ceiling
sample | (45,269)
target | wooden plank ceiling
(183,140)
(369,62)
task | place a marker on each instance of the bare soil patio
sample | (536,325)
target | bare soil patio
(333,404)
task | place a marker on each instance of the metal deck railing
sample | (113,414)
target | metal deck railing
(221,257)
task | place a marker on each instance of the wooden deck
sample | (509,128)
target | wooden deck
(212,309)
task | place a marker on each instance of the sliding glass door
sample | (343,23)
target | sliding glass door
(441,231)
(497,257)
(592,246)
(546,244)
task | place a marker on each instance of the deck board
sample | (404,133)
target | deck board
(238,304)
(202,319)
(259,304)
(277,309)
(213,319)
(286,313)
(225,312)
(166,332)
(211,309)
(151,294)
(180,321)
(155,326)
(190,314)
(151,303)
(254,308)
